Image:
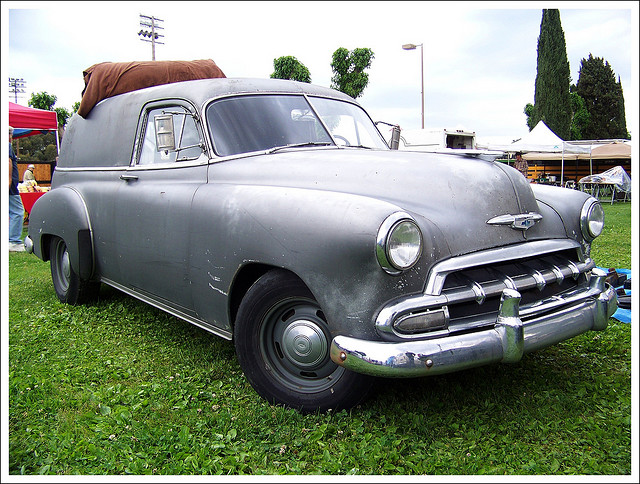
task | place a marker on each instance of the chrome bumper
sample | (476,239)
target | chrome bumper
(507,341)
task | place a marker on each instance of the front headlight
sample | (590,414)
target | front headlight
(399,243)
(591,219)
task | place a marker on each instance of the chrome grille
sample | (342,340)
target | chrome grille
(549,275)
(473,294)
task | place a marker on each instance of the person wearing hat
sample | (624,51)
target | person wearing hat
(521,165)
(28,175)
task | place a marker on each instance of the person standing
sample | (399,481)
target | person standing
(28,174)
(521,165)
(16,210)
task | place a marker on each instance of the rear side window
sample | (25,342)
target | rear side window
(185,133)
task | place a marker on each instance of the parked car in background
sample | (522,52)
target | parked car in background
(272,213)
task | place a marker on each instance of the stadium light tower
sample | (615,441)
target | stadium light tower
(16,86)
(150,22)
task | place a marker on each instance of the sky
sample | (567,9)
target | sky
(479,58)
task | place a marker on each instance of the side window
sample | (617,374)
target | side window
(187,138)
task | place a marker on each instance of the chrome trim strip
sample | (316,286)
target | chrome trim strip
(171,310)
(156,166)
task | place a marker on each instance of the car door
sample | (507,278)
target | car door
(154,204)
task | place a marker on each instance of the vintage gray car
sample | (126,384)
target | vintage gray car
(273,213)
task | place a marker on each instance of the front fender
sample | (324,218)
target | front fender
(567,203)
(327,239)
(62,212)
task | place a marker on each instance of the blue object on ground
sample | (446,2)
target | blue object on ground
(622,315)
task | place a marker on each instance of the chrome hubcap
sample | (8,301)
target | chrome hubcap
(65,265)
(304,343)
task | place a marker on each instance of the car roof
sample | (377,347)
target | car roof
(202,90)
(106,136)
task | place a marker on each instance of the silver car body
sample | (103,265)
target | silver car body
(504,266)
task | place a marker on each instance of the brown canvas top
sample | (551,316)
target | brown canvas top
(111,78)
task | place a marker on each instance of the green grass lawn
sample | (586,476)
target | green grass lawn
(119,387)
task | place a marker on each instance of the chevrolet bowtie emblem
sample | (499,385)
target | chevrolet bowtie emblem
(522,221)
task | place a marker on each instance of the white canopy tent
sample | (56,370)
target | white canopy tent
(542,140)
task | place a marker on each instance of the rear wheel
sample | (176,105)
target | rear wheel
(282,340)
(69,287)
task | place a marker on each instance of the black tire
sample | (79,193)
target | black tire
(69,287)
(282,340)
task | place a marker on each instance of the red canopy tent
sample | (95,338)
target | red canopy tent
(29,121)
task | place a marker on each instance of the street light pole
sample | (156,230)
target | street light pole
(412,47)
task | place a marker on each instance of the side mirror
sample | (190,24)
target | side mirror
(394,143)
(395,137)
(165,138)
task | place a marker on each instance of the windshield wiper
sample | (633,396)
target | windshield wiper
(299,145)
(359,146)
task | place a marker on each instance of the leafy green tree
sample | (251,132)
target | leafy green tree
(531,118)
(551,102)
(46,101)
(348,70)
(40,147)
(75,107)
(63,115)
(604,99)
(580,117)
(288,67)
(42,100)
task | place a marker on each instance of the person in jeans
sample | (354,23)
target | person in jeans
(16,210)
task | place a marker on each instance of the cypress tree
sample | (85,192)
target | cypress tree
(604,99)
(552,102)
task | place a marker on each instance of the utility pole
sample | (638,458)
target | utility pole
(16,86)
(147,22)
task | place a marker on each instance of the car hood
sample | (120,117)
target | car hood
(451,196)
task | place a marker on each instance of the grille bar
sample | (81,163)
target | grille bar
(529,278)
(497,256)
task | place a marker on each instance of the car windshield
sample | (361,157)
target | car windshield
(348,123)
(250,123)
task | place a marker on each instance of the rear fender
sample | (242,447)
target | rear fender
(62,212)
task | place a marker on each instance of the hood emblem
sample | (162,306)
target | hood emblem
(522,221)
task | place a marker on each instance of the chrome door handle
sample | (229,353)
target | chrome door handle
(128,177)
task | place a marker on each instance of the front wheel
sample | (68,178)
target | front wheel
(282,340)
(69,287)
